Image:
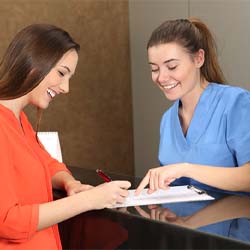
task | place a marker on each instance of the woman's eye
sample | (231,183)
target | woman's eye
(60,73)
(154,70)
(172,68)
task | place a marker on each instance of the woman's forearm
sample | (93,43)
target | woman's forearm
(232,179)
(103,196)
(228,208)
(62,209)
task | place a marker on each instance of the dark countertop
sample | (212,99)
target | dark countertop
(223,223)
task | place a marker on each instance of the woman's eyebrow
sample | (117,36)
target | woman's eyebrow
(167,61)
(171,60)
(67,68)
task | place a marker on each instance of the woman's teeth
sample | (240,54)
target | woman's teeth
(51,93)
(170,86)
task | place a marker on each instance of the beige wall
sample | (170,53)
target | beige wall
(227,19)
(94,121)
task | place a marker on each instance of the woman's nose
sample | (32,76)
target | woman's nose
(64,87)
(163,76)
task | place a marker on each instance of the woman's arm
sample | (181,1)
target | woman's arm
(103,196)
(64,180)
(231,179)
(228,208)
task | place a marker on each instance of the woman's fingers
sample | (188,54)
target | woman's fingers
(142,184)
(142,212)
(123,184)
(119,191)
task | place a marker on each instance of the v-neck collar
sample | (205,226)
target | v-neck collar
(198,122)
(9,114)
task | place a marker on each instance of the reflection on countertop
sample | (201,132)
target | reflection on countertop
(223,223)
(228,216)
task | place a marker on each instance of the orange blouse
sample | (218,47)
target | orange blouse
(26,170)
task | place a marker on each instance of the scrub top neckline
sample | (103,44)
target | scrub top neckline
(198,122)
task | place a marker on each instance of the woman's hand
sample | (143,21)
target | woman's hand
(108,194)
(74,186)
(163,214)
(157,213)
(161,177)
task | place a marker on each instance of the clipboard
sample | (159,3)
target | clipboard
(172,195)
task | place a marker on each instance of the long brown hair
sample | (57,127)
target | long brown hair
(31,55)
(192,34)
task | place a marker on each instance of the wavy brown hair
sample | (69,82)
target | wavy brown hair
(192,34)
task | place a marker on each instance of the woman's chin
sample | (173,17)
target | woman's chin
(41,105)
(171,97)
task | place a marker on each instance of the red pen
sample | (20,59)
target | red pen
(105,177)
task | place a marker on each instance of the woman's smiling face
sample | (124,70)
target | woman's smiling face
(55,82)
(174,70)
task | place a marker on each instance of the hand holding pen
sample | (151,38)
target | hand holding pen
(118,188)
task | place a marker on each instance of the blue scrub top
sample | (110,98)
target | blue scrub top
(218,135)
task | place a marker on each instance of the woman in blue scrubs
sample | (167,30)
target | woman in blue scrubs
(205,134)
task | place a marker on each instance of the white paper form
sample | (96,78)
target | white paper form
(171,195)
(50,141)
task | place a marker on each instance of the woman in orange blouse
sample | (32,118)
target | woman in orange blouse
(37,67)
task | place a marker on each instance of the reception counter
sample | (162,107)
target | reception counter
(223,223)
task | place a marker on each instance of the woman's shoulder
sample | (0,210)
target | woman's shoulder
(230,93)
(232,98)
(233,90)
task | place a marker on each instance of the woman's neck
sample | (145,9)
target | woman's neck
(15,105)
(188,105)
(189,102)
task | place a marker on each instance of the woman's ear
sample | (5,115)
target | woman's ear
(199,58)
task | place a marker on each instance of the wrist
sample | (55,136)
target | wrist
(87,198)
(68,182)
(187,169)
